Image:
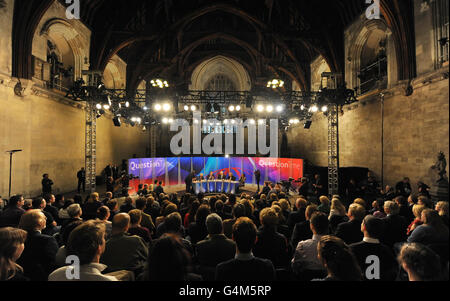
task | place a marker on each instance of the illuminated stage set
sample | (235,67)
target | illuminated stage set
(172,172)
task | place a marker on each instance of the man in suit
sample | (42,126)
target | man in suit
(50,228)
(257,177)
(350,232)
(46,185)
(10,216)
(159,189)
(51,208)
(147,221)
(266,189)
(396,225)
(38,257)
(302,231)
(211,176)
(221,176)
(245,266)
(373,229)
(124,251)
(216,248)
(297,216)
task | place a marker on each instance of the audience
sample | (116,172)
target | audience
(216,248)
(298,215)
(420,262)
(238,211)
(324,205)
(338,259)
(386,269)
(396,225)
(10,216)
(136,228)
(442,208)
(350,232)
(38,257)
(270,244)
(305,262)
(91,206)
(50,226)
(62,213)
(338,214)
(302,231)
(197,231)
(124,251)
(87,242)
(127,206)
(417,211)
(51,208)
(12,244)
(147,221)
(103,214)
(245,266)
(433,230)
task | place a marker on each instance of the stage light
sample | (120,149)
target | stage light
(145,108)
(238,108)
(170,120)
(279,108)
(98,106)
(106,107)
(127,104)
(227,156)
(324,109)
(260,108)
(193,108)
(186,108)
(165,120)
(269,108)
(231,108)
(166,107)
(302,107)
(314,109)
(157,107)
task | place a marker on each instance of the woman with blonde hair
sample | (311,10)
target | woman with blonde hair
(324,205)
(12,244)
(433,230)
(417,211)
(338,214)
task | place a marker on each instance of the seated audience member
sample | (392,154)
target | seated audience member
(12,242)
(378,208)
(361,202)
(108,196)
(396,225)
(324,205)
(238,211)
(50,226)
(91,206)
(245,266)
(62,213)
(74,211)
(305,257)
(172,225)
(424,200)
(190,215)
(87,242)
(61,255)
(266,188)
(338,259)
(373,229)
(127,206)
(298,215)
(10,216)
(216,248)
(270,244)
(350,231)
(159,189)
(168,260)
(433,230)
(302,230)
(124,251)
(168,209)
(219,206)
(338,214)
(113,208)
(135,226)
(404,209)
(103,216)
(59,201)
(27,204)
(51,208)
(285,208)
(442,208)
(38,258)
(197,231)
(417,211)
(420,263)
(249,209)
(147,221)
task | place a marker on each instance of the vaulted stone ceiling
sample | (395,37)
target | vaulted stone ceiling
(171,37)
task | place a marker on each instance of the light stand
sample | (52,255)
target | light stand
(11,153)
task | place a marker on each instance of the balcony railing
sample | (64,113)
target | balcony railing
(371,76)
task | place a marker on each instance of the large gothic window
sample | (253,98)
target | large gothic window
(441,25)
(220,82)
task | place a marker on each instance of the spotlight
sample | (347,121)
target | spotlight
(145,108)
(98,106)
(279,109)
(127,104)
(269,108)
(302,107)
(106,107)
(314,109)
(227,156)
(193,108)
(238,108)
(260,108)
(324,109)
(166,107)
(158,107)
(165,120)
(186,108)
(231,108)
(170,120)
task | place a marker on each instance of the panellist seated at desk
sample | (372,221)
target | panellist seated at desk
(231,177)
(211,176)
(221,176)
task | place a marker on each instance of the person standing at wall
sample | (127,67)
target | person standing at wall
(81,175)
(46,185)
(257,177)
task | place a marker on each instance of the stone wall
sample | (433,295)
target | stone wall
(52,136)
(6,16)
(416,128)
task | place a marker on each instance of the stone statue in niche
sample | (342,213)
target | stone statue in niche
(440,187)
(439,167)
(55,64)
